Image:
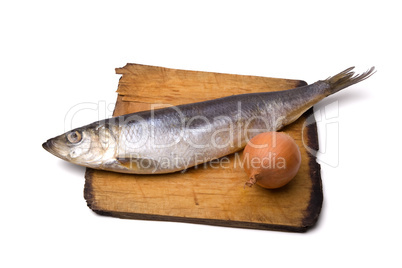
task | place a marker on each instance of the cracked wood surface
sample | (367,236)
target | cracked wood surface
(207,194)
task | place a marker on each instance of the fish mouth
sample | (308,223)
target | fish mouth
(50,147)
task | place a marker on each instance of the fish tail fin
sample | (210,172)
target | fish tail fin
(345,79)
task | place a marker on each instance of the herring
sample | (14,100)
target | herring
(179,137)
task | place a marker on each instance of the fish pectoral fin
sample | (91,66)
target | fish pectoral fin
(137,163)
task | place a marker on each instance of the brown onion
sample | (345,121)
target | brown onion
(271,159)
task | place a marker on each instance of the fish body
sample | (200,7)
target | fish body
(175,138)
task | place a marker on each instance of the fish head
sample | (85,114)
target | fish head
(91,146)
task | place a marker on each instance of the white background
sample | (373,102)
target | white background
(55,56)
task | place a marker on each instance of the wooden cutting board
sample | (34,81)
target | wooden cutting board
(207,194)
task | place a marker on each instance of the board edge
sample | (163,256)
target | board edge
(316,197)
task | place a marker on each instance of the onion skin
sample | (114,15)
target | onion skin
(271,160)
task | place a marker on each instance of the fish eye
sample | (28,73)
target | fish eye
(74,136)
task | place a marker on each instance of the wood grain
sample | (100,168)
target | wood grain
(210,193)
